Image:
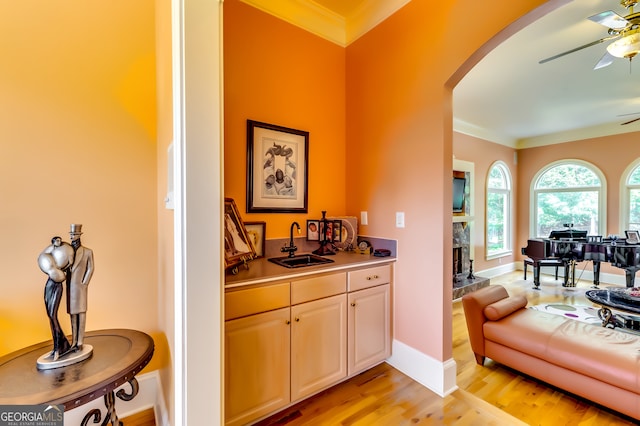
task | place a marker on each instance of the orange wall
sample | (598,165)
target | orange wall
(379,113)
(77,114)
(611,154)
(484,154)
(280,74)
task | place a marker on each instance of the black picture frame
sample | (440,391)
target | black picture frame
(633,237)
(337,231)
(277,169)
(313,230)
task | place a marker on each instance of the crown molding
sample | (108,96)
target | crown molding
(369,14)
(318,20)
(307,15)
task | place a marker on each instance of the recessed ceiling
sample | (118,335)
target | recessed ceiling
(510,98)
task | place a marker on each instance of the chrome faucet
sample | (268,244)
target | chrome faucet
(292,248)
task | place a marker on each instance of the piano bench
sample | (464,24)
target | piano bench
(542,262)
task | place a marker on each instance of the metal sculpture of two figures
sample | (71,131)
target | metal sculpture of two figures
(67,265)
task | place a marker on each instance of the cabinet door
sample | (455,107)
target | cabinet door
(318,345)
(369,328)
(256,365)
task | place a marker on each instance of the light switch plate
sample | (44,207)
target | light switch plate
(364,218)
(399,219)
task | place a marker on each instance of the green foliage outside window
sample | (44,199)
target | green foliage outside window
(498,214)
(634,199)
(568,193)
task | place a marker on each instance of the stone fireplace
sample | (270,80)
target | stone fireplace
(464,278)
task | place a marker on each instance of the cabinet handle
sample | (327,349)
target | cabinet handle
(368,278)
(287,322)
(376,277)
(372,278)
(297,319)
(353,304)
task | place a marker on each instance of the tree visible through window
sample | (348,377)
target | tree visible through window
(633,186)
(498,210)
(567,193)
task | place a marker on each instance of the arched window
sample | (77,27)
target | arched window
(499,210)
(630,200)
(568,192)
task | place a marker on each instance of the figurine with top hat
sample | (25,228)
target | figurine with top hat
(73,264)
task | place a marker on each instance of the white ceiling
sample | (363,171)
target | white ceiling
(510,98)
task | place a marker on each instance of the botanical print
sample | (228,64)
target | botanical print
(279,171)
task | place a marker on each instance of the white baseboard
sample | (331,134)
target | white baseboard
(149,396)
(440,377)
(498,270)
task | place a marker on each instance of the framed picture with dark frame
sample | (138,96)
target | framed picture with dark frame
(237,245)
(313,230)
(326,233)
(277,168)
(337,231)
(633,237)
(256,232)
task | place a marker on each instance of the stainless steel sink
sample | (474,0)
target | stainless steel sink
(300,260)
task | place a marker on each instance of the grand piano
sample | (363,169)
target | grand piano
(568,247)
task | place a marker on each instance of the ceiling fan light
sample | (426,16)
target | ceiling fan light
(627,46)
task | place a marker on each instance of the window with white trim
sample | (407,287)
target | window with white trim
(568,192)
(499,211)
(632,199)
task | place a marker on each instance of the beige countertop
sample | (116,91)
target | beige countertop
(262,271)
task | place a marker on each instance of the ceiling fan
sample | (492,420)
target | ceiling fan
(624,30)
(630,121)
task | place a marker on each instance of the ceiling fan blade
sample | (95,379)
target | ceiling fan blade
(631,121)
(610,19)
(606,60)
(593,43)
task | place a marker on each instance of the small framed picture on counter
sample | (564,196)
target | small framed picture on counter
(256,232)
(633,237)
(313,230)
(237,246)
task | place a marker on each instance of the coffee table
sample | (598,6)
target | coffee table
(609,300)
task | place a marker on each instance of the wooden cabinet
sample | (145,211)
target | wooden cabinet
(286,341)
(318,345)
(257,351)
(369,328)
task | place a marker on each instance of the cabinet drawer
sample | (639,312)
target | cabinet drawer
(318,287)
(365,278)
(251,301)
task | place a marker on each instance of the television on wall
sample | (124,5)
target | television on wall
(458,194)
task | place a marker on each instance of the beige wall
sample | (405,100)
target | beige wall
(78,121)
(611,154)
(483,155)
(166,315)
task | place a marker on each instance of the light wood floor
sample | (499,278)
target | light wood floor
(142,418)
(489,395)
